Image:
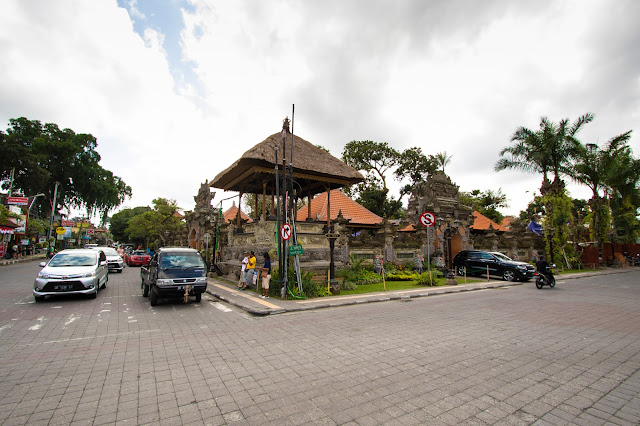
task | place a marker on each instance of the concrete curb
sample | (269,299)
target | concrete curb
(30,258)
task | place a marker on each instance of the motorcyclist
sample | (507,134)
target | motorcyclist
(544,269)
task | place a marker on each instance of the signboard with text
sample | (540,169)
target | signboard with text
(18,201)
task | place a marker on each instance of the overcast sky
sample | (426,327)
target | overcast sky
(175,91)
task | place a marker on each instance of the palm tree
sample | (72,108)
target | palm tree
(595,168)
(544,151)
(442,159)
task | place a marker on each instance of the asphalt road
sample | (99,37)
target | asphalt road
(517,355)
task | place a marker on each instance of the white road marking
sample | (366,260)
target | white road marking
(71,319)
(220,306)
(5,327)
(38,325)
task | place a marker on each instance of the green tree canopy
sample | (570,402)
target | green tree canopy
(375,160)
(486,202)
(157,223)
(415,166)
(41,155)
(120,221)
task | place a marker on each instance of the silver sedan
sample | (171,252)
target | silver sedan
(72,272)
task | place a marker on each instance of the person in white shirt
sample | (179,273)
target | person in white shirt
(242,283)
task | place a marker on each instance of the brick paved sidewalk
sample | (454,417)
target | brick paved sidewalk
(252,303)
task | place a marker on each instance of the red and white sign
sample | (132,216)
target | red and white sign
(427,219)
(285,231)
(66,223)
(18,201)
(91,231)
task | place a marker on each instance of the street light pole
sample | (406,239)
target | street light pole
(53,210)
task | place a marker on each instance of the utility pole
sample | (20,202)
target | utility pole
(53,210)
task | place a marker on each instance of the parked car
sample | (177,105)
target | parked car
(138,258)
(114,260)
(476,262)
(174,273)
(72,272)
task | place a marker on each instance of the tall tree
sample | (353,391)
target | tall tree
(415,166)
(120,222)
(486,202)
(157,223)
(544,151)
(375,160)
(547,151)
(596,168)
(41,155)
(442,159)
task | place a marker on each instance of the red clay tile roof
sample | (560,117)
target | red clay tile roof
(339,203)
(409,228)
(232,212)
(506,222)
(481,222)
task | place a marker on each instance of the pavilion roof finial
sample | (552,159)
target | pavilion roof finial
(285,124)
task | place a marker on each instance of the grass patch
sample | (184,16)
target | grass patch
(377,287)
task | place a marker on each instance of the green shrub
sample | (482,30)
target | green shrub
(400,276)
(436,279)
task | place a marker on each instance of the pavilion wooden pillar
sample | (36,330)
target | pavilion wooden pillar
(264,200)
(329,206)
(239,219)
(255,214)
(309,204)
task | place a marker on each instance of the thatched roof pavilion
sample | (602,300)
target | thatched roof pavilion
(314,169)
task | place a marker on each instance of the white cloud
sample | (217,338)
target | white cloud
(446,76)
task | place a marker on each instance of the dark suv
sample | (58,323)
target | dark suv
(475,262)
(174,273)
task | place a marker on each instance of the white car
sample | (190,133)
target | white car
(72,272)
(114,260)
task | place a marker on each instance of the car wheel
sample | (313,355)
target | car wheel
(461,270)
(153,297)
(145,290)
(509,275)
(39,298)
(198,297)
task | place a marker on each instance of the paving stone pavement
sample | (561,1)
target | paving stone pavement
(514,355)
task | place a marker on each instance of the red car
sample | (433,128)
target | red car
(138,258)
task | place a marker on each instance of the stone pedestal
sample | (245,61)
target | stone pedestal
(334,285)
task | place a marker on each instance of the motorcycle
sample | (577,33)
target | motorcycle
(545,279)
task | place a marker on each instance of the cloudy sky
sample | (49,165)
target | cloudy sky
(177,90)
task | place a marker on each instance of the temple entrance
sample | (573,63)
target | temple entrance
(193,239)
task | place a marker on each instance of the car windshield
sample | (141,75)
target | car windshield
(139,253)
(181,261)
(109,251)
(73,259)
(501,256)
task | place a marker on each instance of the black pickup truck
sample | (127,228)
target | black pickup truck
(174,273)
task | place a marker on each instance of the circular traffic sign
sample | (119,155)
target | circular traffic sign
(60,230)
(285,231)
(427,219)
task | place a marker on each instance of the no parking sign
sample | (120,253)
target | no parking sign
(427,219)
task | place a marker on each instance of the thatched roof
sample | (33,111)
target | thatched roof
(313,168)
